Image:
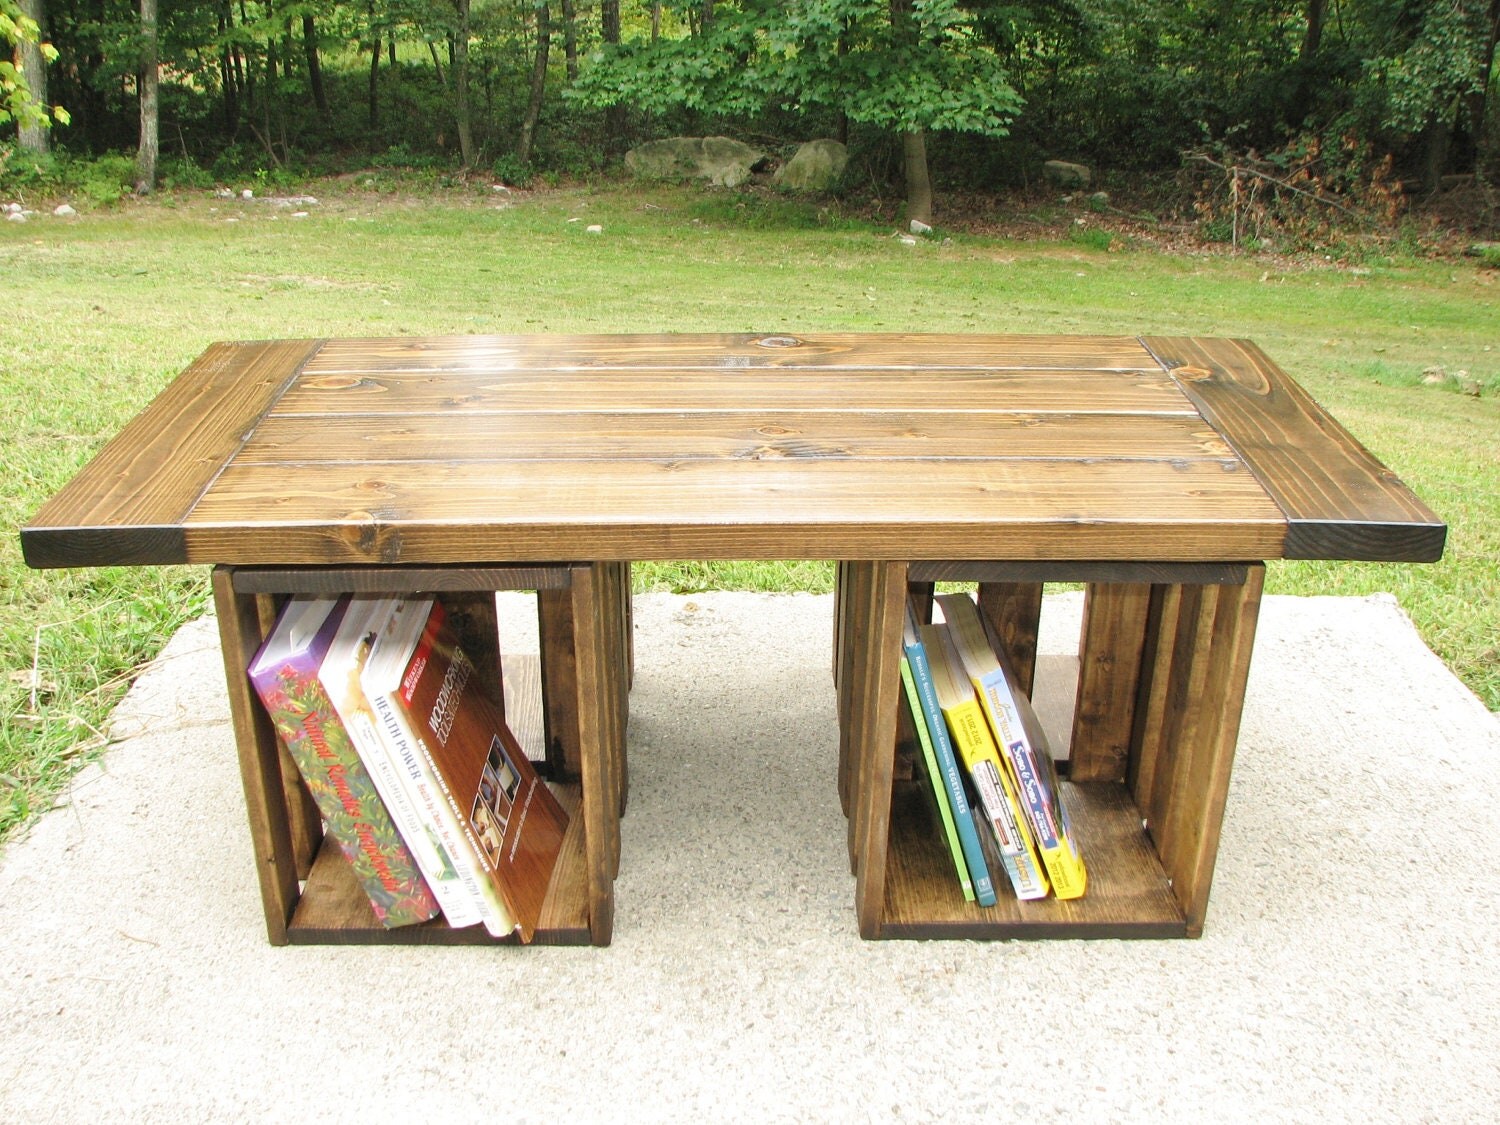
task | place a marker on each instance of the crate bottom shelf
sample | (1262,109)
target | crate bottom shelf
(334,910)
(1128,896)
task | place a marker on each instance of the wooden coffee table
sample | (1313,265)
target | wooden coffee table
(1161,473)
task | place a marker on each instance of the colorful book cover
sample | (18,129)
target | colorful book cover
(1019,737)
(285,675)
(340,676)
(396,641)
(971,736)
(948,767)
(514,820)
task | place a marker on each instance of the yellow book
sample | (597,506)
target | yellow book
(971,735)
(1021,745)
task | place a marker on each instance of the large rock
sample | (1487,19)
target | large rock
(817,166)
(721,161)
(1065,175)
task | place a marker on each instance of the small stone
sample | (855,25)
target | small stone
(12,208)
(15,217)
(908,240)
(299,214)
(1099,201)
(247,194)
(64,210)
(595,229)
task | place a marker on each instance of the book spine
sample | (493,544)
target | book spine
(458,908)
(346,795)
(399,737)
(963,816)
(935,780)
(485,871)
(1038,798)
(972,737)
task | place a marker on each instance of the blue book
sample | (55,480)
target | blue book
(948,767)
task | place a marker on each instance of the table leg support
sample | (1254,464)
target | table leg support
(1196,665)
(271,827)
(877,615)
(594,711)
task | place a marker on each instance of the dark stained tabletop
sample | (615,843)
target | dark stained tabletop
(479,449)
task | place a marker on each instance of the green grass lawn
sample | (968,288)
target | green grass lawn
(106,307)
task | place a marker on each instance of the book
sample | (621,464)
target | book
(340,677)
(943,768)
(425,682)
(285,676)
(396,635)
(997,795)
(1020,738)
(935,783)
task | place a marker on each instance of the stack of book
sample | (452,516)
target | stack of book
(412,767)
(993,780)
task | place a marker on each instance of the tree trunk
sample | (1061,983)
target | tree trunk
(461,87)
(918,179)
(1436,139)
(149,81)
(1478,99)
(1312,38)
(228,77)
(1305,75)
(314,67)
(570,38)
(374,87)
(29,61)
(614,116)
(538,82)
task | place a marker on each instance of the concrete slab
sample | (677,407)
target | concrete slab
(1350,970)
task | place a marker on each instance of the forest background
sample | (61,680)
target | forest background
(1191,109)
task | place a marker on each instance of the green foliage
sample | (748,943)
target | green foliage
(98,181)
(17,105)
(1428,74)
(511,170)
(919,70)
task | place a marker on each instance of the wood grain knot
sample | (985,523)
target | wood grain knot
(335,382)
(1196,374)
(779,342)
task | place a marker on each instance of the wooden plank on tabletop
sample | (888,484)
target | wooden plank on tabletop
(390,513)
(739,350)
(420,398)
(302,440)
(1340,502)
(126,506)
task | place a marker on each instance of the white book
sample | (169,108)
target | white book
(395,643)
(340,676)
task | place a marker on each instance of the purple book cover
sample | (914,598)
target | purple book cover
(285,675)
